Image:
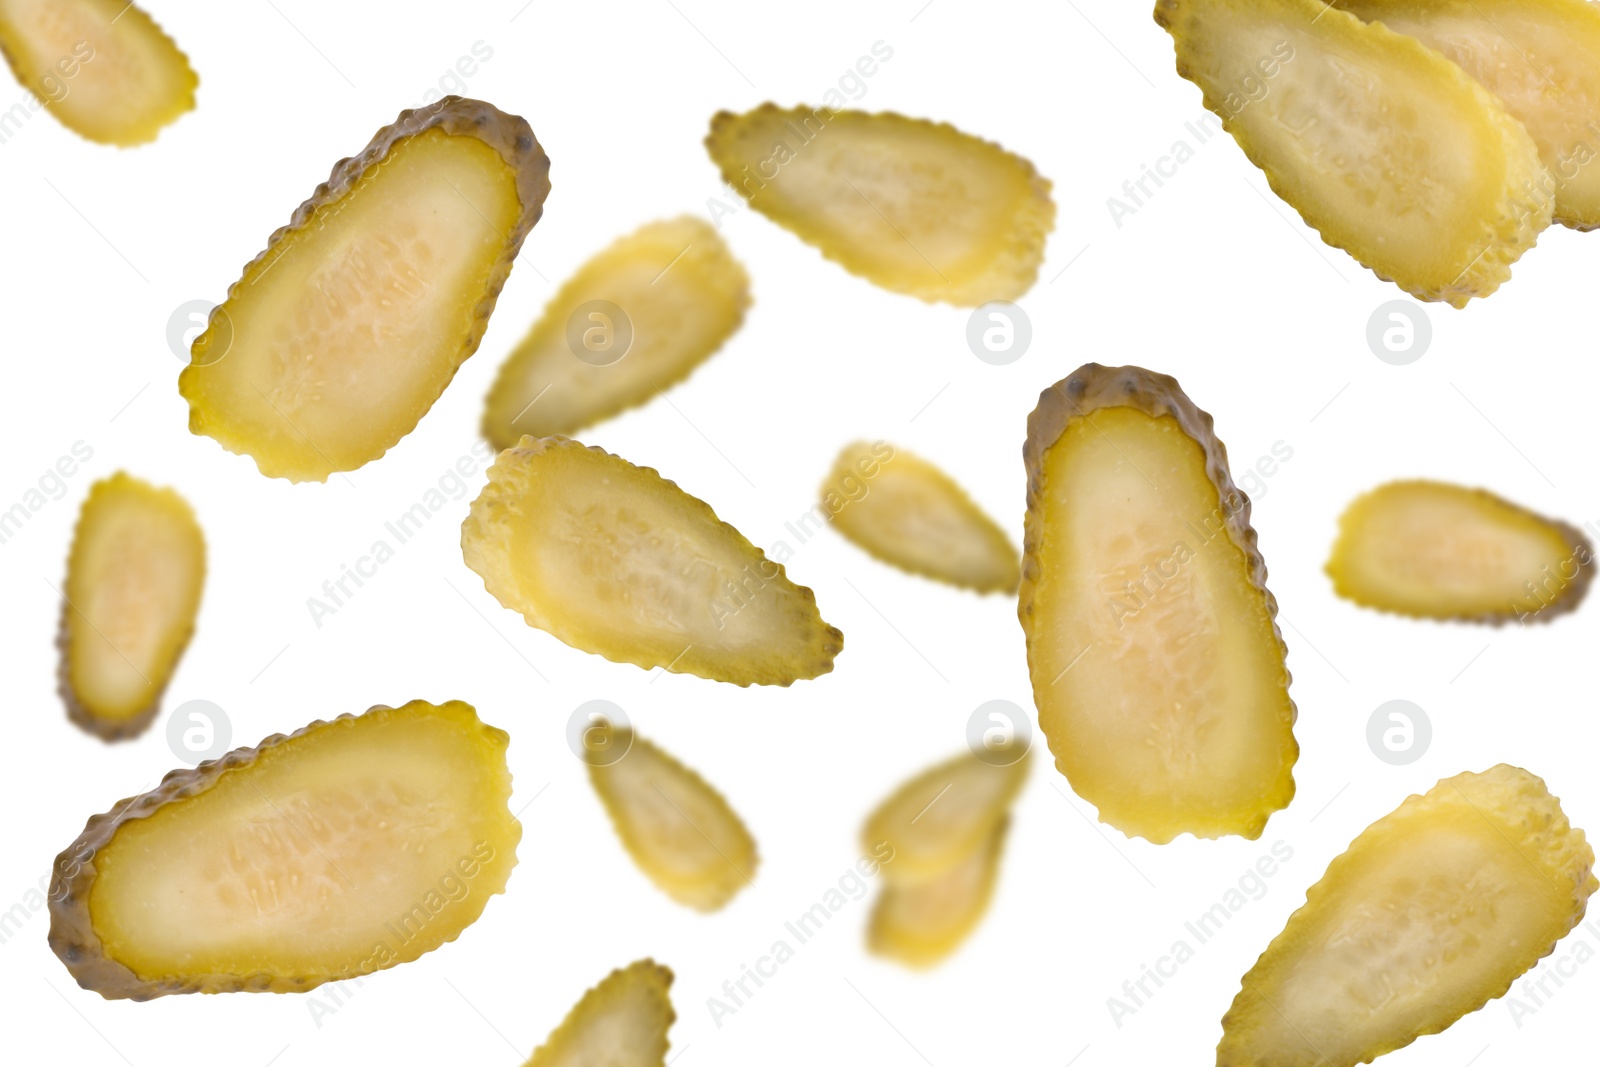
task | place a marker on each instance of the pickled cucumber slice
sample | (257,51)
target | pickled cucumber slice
(1157,666)
(678,829)
(616,560)
(1433,911)
(344,848)
(622,1022)
(675,294)
(908,513)
(1433,550)
(103,67)
(913,206)
(1387,149)
(919,924)
(1541,58)
(942,817)
(342,334)
(134,578)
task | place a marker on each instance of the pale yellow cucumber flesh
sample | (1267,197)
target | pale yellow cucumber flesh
(921,923)
(1432,911)
(1156,668)
(634,320)
(1541,58)
(1435,550)
(942,816)
(616,560)
(622,1022)
(678,829)
(134,579)
(908,513)
(344,344)
(913,206)
(102,67)
(348,847)
(1385,147)
(343,333)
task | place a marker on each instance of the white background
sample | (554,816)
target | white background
(1212,280)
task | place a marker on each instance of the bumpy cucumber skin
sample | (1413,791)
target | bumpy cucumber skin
(72,936)
(1086,390)
(1504,240)
(1568,600)
(509,135)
